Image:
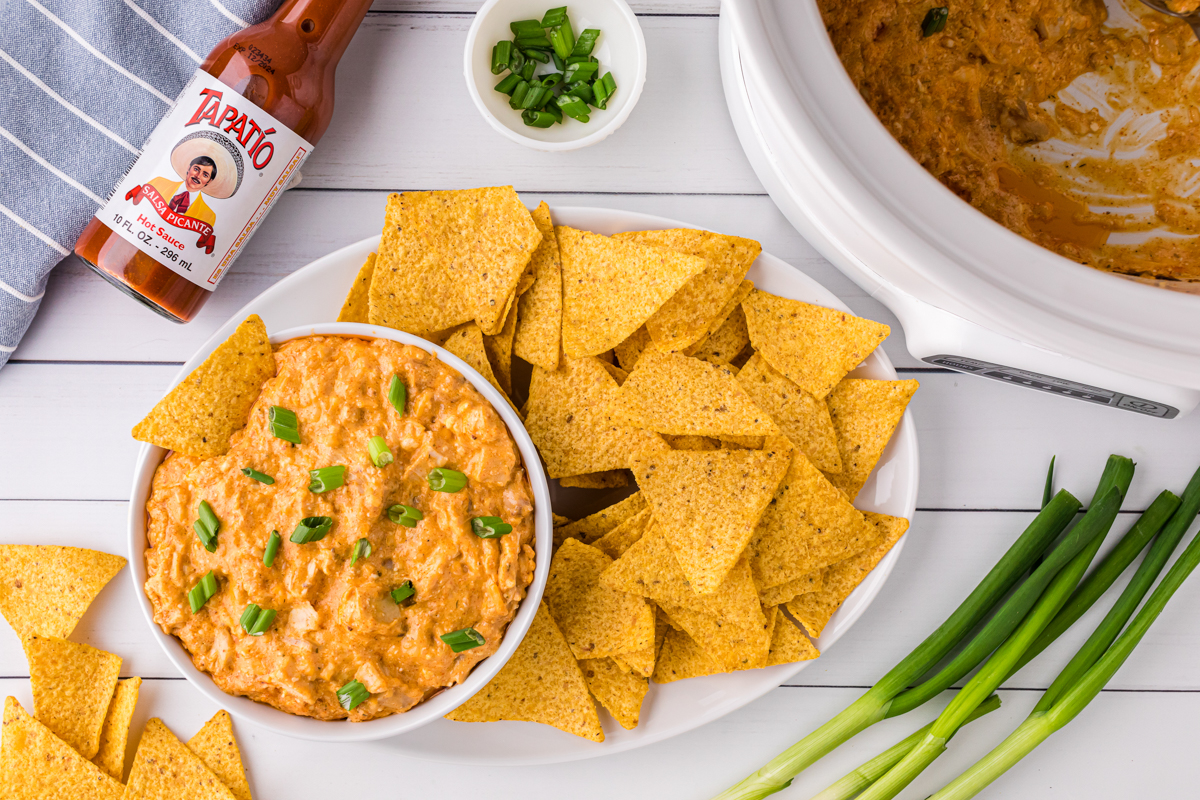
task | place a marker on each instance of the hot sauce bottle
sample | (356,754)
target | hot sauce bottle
(216,163)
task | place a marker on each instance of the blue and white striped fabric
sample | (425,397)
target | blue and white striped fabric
(82,85)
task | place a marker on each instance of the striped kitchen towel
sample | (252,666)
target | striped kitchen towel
(82,85)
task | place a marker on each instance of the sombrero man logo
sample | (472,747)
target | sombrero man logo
(208,175)
(207,166)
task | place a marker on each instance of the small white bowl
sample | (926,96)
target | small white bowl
(436,707)
(620,48)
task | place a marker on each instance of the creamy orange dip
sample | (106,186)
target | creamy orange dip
(336,621)
(1073,123)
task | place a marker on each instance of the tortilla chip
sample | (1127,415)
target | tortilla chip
(611,287)
(743,291)
(682,657)
(597,621)
(778,595)
(218,749)
(649,568)
(865,414)
(688,315)
(499,350)
(568,420)
(114,736)
(789,644)
(45,589)
(620,693)
(642,662)
(630,350)
(73,685)
(542,683)
(467,343)
(810,525)
(591,528)
(688,442)
(816,608)
(709,504)
(802,418)
(730,647)
(198,417)
(165,769)
(770,616)
(813,346)
(619,375)
(596,480)
(614,543)
(663,616)
(36,765)
(723,344)
(730,442)
(451,257)
(539,311)
(560,523)
(527,279)
(357,301)
(675,394)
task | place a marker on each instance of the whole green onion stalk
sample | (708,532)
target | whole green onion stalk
(1096,583)
(1118,473)
(879,702)
(1069,560)
(1114,564)
(873,705)
(851,784)
(1081,681)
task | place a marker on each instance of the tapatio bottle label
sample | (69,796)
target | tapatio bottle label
(207,176)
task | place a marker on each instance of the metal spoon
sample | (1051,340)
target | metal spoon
(1192,19)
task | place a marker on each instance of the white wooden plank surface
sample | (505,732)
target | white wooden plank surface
(94,362)
(1125,745)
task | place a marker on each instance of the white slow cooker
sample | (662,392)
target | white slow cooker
(971,295)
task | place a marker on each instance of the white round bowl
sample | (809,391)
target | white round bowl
(620,48)
(436,707)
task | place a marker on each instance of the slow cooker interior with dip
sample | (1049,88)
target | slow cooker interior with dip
(1073,124)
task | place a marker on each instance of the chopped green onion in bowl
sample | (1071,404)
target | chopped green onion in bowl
(207,526)
(398,393)
(311,529)
(381,456)
(272,549)
(261,477)
(405,515)
(326,479)
(202,592)
(573,81)
(403,594)
(255,621)
(443,479)
(489,527)
(464,639)
(352,695)
(362,549)
(284,424)
(935,21)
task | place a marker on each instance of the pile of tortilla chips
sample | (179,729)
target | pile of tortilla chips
(74,745)
(654,362)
